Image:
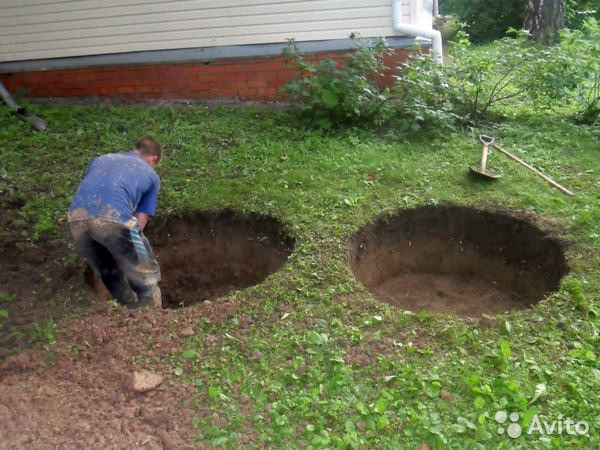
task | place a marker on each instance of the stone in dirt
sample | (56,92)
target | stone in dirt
(187,331)
(144,380)
(487,320)
(171,441)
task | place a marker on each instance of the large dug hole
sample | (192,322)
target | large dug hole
(457,260)
(205,255)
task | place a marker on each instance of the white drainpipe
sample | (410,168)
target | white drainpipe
(422,27)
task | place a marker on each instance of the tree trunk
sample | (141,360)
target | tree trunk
(544,19)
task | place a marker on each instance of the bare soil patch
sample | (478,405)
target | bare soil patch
(39,281)
(79,392)
(85,395)
(457,260)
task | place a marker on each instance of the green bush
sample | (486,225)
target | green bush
(511,71)
(328,95)
(484,20)
(475,84)
(581,48)
(577,11)
(421,98)
(476,79)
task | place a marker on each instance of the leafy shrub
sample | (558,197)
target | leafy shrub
(470,87)
(582,49)
(485,20)
(512,70)
(479,78)
(422,98)
(330,95)
(577,11)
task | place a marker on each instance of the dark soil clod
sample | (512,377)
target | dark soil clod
(457,260)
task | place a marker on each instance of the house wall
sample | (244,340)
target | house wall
(244,79)
(35,29)
(136,49)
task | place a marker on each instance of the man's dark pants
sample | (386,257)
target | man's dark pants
(122,256)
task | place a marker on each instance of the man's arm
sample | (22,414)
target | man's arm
(142,219)
(147,205)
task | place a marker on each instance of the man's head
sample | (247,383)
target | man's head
(150,151)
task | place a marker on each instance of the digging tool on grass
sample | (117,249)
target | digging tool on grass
(481,170)
(552,183)
(22,113)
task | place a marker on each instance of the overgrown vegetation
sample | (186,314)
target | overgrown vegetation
(577,11)
(475,80)
(486,21)
(582,49)
(311,359)
(476,83)
(330,95)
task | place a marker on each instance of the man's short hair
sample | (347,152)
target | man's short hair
(148,146)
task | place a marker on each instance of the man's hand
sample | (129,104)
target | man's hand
(142,219)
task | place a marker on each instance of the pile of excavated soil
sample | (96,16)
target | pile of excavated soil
(85,395)
(457,260)
(38,281)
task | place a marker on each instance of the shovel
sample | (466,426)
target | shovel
(550,181)
(481,170)
(22,113)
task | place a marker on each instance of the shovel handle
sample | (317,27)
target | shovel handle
(486,141)
(484,157)
(553,183)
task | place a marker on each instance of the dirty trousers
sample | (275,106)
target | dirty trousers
(122,256)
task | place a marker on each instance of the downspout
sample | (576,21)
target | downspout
(417,30)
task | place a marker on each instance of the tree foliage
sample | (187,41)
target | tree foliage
(582,49)
(577,11)
(486,21)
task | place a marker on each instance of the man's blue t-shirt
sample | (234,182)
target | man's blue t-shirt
(114,187)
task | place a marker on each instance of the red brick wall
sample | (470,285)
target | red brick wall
(257,78)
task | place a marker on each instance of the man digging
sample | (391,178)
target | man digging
(107,217)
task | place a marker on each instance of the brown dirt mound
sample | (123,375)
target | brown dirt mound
(205,255)
(84,396)
(38,281)
(457,260)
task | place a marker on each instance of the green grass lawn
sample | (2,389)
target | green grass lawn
(290,382)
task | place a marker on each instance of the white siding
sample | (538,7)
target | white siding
(36,29)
